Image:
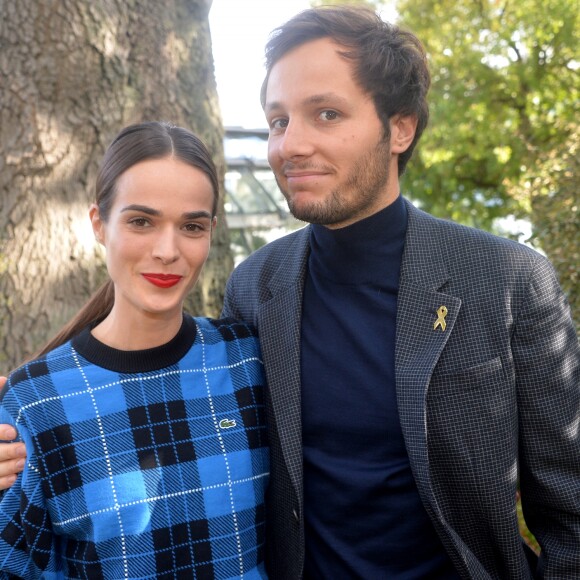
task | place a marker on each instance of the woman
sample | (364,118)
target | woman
(144,428)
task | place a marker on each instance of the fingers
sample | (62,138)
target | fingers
(12,455)
(7,481)
(12,459)
(11,452)
(7,433)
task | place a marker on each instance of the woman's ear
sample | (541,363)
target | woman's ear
(97,223)
(402,133)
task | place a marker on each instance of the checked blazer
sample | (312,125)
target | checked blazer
(490,401)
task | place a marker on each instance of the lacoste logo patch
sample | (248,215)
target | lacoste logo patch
(227,423)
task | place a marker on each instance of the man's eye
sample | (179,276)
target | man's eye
(328,115)
(194,228)
(279,124)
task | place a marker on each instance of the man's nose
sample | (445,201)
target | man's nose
(296,141)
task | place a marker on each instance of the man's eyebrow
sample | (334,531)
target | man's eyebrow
(325,98)
(193,215)
(319,99)
(273,106)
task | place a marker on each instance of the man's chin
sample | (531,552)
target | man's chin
(302,206)
(315,213)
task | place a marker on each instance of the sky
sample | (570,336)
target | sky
(239,31)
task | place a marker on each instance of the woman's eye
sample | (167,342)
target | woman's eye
(328,115)
(139,222)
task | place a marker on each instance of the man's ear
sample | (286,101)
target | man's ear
(97,223)
(402,132)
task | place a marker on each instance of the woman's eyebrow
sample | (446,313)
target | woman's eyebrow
(190,215)
(141,208)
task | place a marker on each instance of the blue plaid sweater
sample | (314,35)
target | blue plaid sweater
(146,464)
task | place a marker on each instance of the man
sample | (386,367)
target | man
(419,370)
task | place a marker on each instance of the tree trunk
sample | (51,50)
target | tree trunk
(72,74)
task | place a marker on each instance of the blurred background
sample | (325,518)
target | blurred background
(501,151)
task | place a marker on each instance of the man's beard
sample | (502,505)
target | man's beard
(365,184)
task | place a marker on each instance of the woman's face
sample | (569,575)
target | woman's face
(157,236)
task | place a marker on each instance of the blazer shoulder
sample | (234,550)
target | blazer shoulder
(463,244)
(285,252)
(269,270)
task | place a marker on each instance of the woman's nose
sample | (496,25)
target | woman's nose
(166,248)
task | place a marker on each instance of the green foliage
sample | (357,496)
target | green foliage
(504,102)
(528,537)
(553,187)
(504,85)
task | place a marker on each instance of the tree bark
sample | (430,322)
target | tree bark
(72,74)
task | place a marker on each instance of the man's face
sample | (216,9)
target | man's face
(326,146)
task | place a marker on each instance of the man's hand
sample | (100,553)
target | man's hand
(12,455)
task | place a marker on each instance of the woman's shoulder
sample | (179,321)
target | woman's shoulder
(227,345)
(228,337)
(228,328)
(33,383)
(40,368)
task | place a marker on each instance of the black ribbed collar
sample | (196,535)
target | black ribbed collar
(135,361)
(360,252)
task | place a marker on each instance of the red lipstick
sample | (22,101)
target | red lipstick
(162,280)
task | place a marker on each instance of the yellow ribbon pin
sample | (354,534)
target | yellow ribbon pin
(441,314)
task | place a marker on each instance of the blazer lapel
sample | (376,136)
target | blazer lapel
(420,341)
(279,330)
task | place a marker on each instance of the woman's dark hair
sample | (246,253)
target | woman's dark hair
(390,63)
(134,144)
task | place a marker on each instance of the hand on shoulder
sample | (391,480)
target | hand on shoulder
(12,456)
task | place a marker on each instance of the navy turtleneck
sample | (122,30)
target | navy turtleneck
(363,515)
